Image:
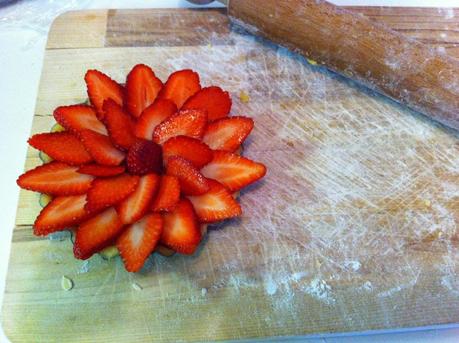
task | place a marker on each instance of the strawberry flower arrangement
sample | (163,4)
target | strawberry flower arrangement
(146,165)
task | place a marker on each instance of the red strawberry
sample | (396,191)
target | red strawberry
(79,117)
(233,171)
(180,86)
(55,178)
(227,133)
(139,240)
(213,99)
(120,126)
(195,151)
(136,205)
(168,194)
(61,146)
(60,214)
(191,123)
(152,116)
(181,230)
(109,191)
(217,204)
(101,171)
(95,233)
(192,182)
(100,88)
(101,148)
(145,157)
(142,87)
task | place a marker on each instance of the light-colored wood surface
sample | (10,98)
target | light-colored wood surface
(354,227)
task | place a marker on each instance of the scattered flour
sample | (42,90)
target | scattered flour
(352,265)
(397,289)
(270,286)
(320,290)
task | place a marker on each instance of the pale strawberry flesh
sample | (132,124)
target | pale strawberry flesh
(61,213)
(56,178)
(233,171)
(139,240)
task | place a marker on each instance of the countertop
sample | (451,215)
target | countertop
(23,30)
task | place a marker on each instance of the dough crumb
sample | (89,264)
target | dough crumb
(66,283)
(136,286)
(244,97)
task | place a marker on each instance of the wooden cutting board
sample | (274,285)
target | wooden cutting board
(354,227)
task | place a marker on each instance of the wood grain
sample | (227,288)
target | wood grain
(354,227)
(401,68)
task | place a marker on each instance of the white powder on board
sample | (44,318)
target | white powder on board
(270,286)
(320,290)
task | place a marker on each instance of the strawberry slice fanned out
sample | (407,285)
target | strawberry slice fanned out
(195,151)
(217,204)
(76,118)
(180,86)
(168,194)
(137,204)
(101,148)
(119,124)
(192,182)
(95,233)
(212,99)
(61,146)
(110,191)
(142,88)
(61,213)
(100,88)
(181,231)
(228,133)
(145,157)
(101,171)
(55,178)
(191,123)
(139,240)
(152,116)
(233,171)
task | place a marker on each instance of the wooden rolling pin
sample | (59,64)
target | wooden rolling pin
(401,68)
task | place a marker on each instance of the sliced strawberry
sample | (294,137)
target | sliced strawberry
(192,182)
(109,191)
(227,133)
(195,151)
(101,148)
(95,233)
(142,88)
(191,123)
(233,171)
(213,100)
(75,118)
(60,214)
(180,86)
(61,146)
(217,204)
(181,230)
(120,125)
(152,116)
(100,88)
(55,178)
(145,157)
(168,194)
(139,240)
(101,171)
(136,205)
